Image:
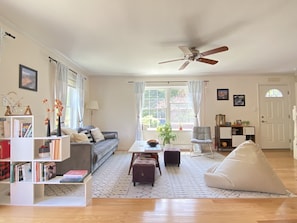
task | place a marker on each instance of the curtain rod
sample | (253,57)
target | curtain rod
(168,82)
(8,34)
(52,59)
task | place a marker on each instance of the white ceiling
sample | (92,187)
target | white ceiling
(130,37)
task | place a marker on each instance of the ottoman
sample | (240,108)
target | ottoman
(172,156)
(144,170)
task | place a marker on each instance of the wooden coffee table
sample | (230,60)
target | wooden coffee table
(140,148)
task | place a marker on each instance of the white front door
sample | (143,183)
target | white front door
(274,116)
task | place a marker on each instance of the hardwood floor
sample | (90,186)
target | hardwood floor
(278,210)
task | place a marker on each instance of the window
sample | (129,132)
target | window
(274,93)
(167,104)
(71,113)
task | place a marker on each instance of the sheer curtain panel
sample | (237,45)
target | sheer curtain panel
(139,90)
(61,83)
(81,98)
(196,90)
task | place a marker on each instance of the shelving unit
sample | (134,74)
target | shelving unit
(230,137)
(25,186)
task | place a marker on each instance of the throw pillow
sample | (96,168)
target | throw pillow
(88,134)
(245,168)
(79,137)
(68,131)
(97,135)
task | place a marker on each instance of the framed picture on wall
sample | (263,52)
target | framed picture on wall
(222,94)
(239,100)
(27,78)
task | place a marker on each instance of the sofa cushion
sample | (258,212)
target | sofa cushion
(68,131)
(97,134)
(88,134)
(79,137)
(245,168)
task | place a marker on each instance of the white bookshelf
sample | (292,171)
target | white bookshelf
(25,149)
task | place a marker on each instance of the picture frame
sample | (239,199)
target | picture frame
(223,94)
(27,78)
(239,100)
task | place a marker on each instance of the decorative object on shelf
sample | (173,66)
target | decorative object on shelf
(59,133)
(228,124)
(92,105)
(222,94)
(220,120)
(48,128)
(224,144)
(165,133)
(59,107)
(238,122)
(8,111)
(27,78)
(44,151)
(28,111)
(239,100)
(245,123)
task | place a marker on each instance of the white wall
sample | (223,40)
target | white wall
(115,95)
(25,51)
(117,101)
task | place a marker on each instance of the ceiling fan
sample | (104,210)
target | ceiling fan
(192,54)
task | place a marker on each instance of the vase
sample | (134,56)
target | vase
(48,130)
(59,126)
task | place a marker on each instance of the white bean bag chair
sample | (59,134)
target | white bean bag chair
(247,169)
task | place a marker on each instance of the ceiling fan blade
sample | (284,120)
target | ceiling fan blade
(186,50)
(216,50)
(205,60)
(168,61)
(184,65)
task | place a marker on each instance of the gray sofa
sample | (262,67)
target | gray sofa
(87,155)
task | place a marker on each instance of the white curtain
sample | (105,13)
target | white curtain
(139,90)
(61,78)
(81,97)
(196,91)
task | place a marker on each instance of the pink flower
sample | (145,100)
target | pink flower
(59,107)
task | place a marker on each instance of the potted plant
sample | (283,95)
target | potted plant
(166,134)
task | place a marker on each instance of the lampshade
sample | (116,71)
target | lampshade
(92,105)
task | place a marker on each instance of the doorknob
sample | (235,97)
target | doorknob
(263,121)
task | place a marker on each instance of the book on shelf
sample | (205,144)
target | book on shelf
(45,171)
(72,180)
(49,169)
(74,176)
(20,172)
(4,128)
(26,128)
(21,128)
(27,171)
(4,149)
(4,170)
(54,146)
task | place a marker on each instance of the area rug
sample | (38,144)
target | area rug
(111,180)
